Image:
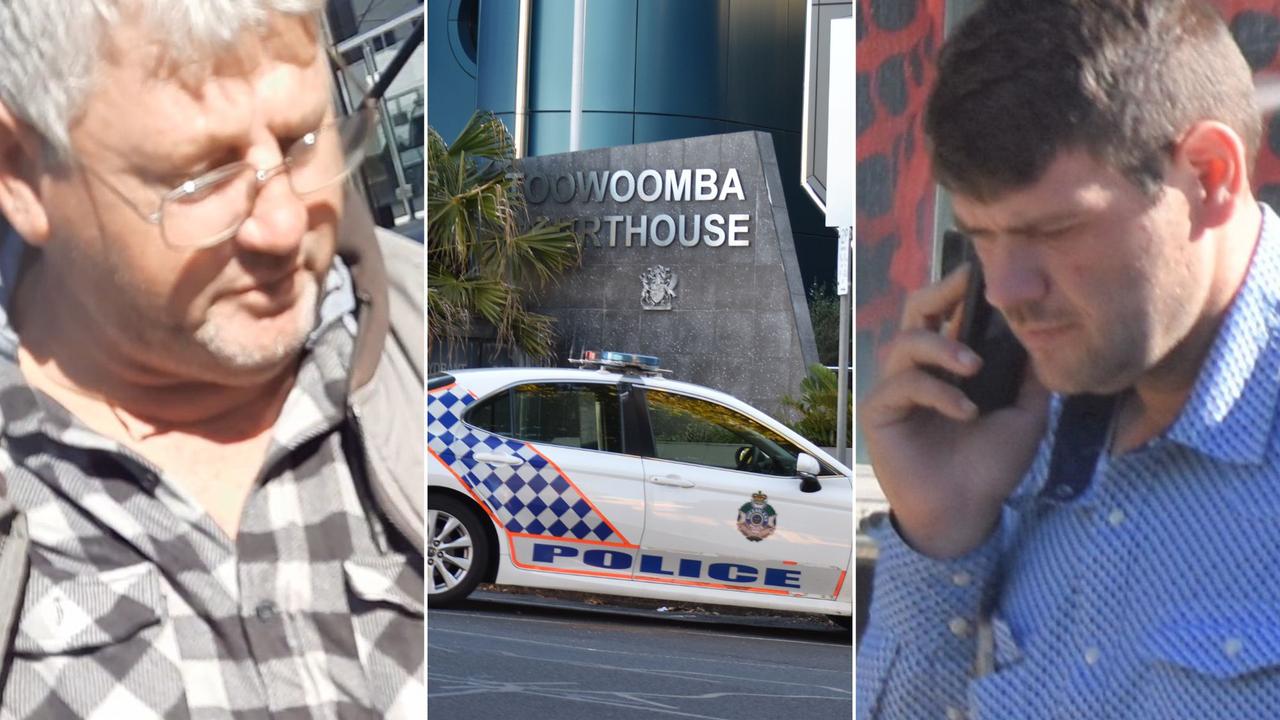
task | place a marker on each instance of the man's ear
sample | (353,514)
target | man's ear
(21,166)
(1215,155)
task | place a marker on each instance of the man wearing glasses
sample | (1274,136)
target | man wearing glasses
(212,430)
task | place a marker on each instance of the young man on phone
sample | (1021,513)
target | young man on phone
(211,437)
(1109,545)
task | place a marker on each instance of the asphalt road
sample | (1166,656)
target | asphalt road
(503,658)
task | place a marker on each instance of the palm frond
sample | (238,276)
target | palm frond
(483,136)
(481,245)
(817,405)
(547,249)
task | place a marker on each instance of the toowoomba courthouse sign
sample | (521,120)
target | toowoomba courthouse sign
(687,255)
(669,186)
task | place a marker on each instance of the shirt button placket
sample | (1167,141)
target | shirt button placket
(265,632)
(266,611)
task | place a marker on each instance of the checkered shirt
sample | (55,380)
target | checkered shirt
(1153,594)
(139,606)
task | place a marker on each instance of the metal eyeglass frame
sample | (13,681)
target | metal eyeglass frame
(366,111)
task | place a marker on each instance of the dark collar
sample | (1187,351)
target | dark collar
(358,248)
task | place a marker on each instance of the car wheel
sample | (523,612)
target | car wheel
(457,550)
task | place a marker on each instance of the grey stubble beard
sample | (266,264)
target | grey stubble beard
(234,352)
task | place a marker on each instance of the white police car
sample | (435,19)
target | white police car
(612,479)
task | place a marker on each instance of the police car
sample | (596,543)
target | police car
(613,479)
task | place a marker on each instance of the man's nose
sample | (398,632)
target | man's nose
(277,218)
(1014,274)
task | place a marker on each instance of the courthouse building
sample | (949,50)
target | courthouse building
(699,240)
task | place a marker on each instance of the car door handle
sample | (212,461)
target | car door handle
(498,459)
(671,481)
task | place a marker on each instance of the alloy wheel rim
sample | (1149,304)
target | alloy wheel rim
(449,553)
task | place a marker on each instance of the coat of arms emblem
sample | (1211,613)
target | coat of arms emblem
(757,519)
(659,288)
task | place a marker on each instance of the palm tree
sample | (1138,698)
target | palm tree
(484,256)
(817,405)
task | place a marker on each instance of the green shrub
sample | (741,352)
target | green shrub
(816,406)
(824,313)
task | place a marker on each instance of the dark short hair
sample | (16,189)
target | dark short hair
(1022,80)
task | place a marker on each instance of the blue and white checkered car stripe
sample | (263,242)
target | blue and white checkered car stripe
(533,498)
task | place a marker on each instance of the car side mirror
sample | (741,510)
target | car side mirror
(807,470)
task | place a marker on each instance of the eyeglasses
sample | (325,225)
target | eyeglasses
(210,209)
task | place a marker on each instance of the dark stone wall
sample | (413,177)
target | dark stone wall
(739,322)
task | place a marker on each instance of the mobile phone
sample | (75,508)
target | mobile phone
(985,331)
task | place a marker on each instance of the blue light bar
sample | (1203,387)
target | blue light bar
(613,360)
(646,362)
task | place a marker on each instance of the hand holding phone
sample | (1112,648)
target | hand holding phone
(945,473)
(984,330)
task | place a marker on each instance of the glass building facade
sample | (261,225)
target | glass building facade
(367,34)
(653,70)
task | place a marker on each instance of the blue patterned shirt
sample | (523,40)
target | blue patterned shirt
(1153,594)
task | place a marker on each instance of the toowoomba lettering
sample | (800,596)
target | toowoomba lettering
(701,185)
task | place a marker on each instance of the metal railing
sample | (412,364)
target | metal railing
(394,175)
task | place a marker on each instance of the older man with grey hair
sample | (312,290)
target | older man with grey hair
(211,406)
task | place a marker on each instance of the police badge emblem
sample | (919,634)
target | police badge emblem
(757,519)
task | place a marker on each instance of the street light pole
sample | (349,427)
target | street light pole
(839,210)
(846,341)
(575,92)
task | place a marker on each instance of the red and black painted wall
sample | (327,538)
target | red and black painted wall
(897,41)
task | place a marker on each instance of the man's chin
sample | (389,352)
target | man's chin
(1080,378)
(253,355)
(242,341)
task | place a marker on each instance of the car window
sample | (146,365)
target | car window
(581,415)
(688,429)
(493,414)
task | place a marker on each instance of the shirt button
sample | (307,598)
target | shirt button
(954,713)
(266,611)
(1091,655)
(1116,518)
(959,627)
(1232,647)
(961,579)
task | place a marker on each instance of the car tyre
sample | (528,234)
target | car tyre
(458,551)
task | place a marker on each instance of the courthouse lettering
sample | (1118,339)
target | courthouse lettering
(687,229)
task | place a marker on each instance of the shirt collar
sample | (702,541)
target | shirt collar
(1229,413)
